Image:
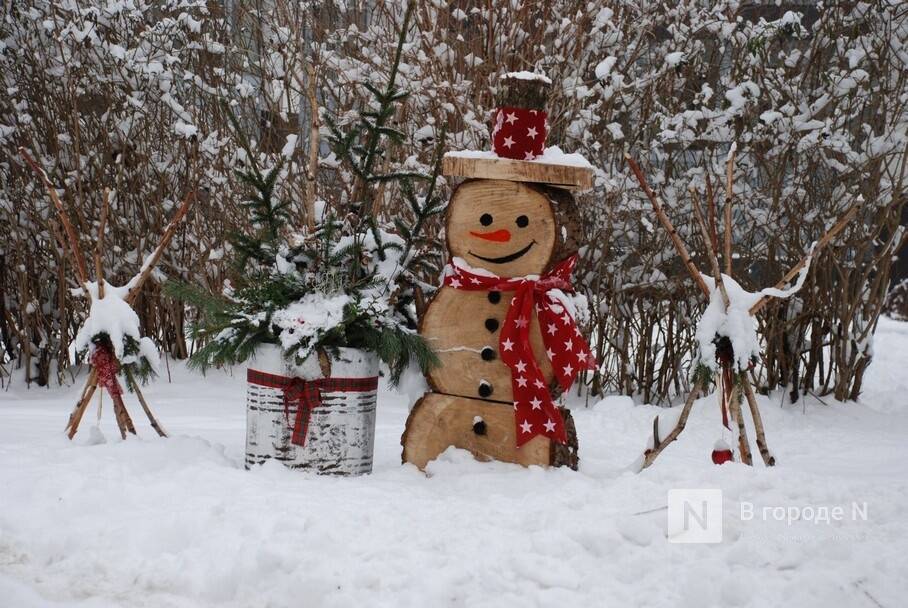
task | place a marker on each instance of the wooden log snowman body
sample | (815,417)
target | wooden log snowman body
(498,232)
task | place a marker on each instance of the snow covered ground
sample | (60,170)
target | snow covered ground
(179,522)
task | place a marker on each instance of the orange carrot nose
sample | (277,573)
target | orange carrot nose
(500,236)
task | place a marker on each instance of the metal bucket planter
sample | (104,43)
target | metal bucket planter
(319,416)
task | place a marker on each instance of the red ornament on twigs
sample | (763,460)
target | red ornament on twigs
(722,453)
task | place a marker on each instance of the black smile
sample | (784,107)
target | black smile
(507,258)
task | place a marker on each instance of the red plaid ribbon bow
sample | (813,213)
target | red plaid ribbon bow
(307,395)
(106,365)
(536,413)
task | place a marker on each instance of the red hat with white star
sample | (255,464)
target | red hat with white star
(519,122)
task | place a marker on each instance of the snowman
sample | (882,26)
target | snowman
(503,321)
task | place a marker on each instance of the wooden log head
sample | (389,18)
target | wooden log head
(511,229)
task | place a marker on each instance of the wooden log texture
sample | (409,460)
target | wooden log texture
(768,459)
(124,421)
(659,444)
(481,208)
(738,416)
(542,225)
(563,176)
(75,418)
(463,327)
(145,407)
(439,421)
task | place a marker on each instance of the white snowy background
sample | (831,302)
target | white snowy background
(179,522)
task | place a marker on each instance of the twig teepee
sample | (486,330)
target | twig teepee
(732,376)
(103,360)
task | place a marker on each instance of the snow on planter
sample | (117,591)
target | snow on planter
(305,420)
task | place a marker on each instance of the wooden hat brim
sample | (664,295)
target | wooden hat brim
(562,176)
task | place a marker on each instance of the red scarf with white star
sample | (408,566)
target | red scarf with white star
(535,412)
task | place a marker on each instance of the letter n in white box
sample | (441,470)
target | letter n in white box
(694,516)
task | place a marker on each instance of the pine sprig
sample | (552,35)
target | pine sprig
(267,215)
(234,324)
(360,147)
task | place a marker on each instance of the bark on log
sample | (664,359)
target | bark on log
(529,93)
(738,417)
(151,418)
(75,418)
(124,422)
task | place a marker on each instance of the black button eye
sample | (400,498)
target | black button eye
(522,221)
(485,219)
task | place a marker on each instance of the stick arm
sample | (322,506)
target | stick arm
(81,267)
(824,240)
(667,224)
(135,284)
